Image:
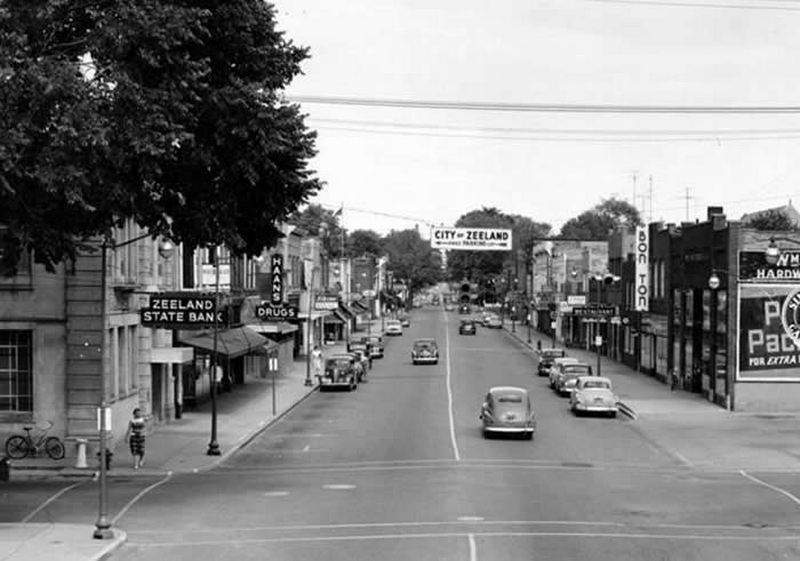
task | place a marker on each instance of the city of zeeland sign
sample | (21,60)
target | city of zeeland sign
(183,310)
(471,239)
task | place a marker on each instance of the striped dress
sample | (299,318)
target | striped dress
(137,436)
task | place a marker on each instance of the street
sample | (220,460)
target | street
(399,469)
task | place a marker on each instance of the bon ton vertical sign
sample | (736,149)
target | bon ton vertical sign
(642,282)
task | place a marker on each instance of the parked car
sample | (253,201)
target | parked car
(405,321)
(340,372)
(376,346)
(425,351)
(464,309)
(361,344)
(493,322)
(508,409)
(553,372)
(394,327)
(448,307)
(568,375)
(467,327)
(546,357)
(593,394)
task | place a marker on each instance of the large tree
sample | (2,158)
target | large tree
(362,243)
(317,220)
(169,112)
(412,260)
(772,219)
(602,220)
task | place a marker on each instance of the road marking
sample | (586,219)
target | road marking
(49,501)
(473,550)
(225,542)
(276,493)
(456,453)
(307,448)
(773,487)
(141,494)
(338,486)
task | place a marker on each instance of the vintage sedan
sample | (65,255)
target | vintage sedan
(405,321)
(493,322)
(339,373)
(546,357)
(425,351)
(508,410)
(375,346)
(593,394)
(568,376)
(467,327)
(554,372)
(394,327)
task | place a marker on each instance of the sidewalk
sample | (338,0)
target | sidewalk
(179,446)
(693,431)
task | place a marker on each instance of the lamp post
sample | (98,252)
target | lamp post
(308,381)
(102,525)
(213,445)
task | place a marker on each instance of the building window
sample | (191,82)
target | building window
(16,375)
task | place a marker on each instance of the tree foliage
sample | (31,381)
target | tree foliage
(602,220)
(412,259)
(169,112)
(317,220)
(772,219)
(362,243)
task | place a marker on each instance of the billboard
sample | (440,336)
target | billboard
(471,239)
(769,325)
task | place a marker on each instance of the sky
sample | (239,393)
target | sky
(454,105)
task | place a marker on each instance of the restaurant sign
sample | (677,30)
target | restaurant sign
(769,334)
(753,267)
(594,311)
(182,310)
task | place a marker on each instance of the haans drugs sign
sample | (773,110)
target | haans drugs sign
(473,239)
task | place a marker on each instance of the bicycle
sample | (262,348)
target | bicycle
(19,446)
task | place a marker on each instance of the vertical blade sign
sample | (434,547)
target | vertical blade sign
(642,283)
(276,266)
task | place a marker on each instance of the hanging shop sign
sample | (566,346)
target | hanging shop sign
(753,267)
(471,239)
(326,302)
(276,269)
(769,333)
(594,311)
(642,284)
(183,310)
(265,311)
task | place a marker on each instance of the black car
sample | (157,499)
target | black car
(464,309)
(467,327)
(546,357)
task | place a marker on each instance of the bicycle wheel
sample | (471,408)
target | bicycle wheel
(54,448)
(17,447)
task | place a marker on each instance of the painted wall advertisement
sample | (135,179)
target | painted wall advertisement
(769,332)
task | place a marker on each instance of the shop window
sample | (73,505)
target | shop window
(16,375)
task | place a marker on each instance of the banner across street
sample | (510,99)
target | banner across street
(472,239)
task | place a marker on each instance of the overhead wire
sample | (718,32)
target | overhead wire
(722,5)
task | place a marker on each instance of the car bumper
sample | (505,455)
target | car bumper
(394,332)
(596,407)
(425,359)
(503,429)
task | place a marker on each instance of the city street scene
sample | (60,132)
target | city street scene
(399,280)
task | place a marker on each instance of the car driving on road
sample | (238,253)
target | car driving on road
(593,394)
(553,372)
(425,351)
(508,410)
(393,327)
(467,327)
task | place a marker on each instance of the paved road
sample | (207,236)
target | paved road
(399,470)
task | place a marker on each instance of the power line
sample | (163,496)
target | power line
(672,3)
(545,107)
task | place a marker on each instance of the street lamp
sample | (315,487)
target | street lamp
(213,445)
(308,381)
(102,529)
(773,253)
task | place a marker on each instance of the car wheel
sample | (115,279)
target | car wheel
(528,436)
(486,434)
(613,414)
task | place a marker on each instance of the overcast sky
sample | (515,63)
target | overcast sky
(393,166)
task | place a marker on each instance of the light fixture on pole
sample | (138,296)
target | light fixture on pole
(773,253)
(213,445)
(308,381)
(102,525)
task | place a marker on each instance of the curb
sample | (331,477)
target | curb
(627,410)
(120,537)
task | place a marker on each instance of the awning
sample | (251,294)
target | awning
(233,343)
(359,307)
(389,297)
(280,327)
(316,314)
(337,317)
(348,311)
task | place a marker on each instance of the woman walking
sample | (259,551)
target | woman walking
(135,438)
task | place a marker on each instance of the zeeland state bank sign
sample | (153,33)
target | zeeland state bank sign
(182,310)
(471,239)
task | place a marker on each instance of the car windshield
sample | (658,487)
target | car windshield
(552,353)
(510,398)
(337,363)
(597,384)
(577,369)
(424,345)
